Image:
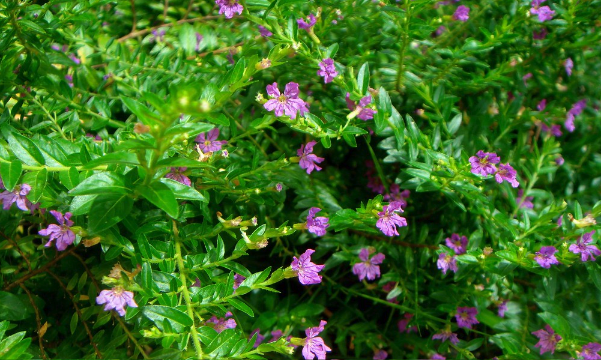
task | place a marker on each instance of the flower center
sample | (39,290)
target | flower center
(208,143)
(282,99)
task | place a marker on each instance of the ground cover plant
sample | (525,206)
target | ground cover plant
(282,179)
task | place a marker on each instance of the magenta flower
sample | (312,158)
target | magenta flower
(199,38)
(69,79)
(158,35)
(278,187)
(502,308)
(589,351)
(177,174)
(446,262)
(569,65)
(18,195)
(466,317)
(539,35)
(542,105)
(380,355)
(276,335)
(547,339)
(327,70)
(544,13)
(314,345)
(445,335)
(545,257)
(437,357)
(287,103)
(264,32)
(404,322)
(220,324)
(307,25)
(75,59)
(62,233)
(439,31)
(238,279)
(389,219)
(317,225)
(207,141)
(368,267)
(527,202)
(308,160)
(259,339)
(507,173)
(483,163)
(587,252)
(462,13)
(576,110)
(457,243)
(229,7)
(555,130)
(307,271)
(116,299)
(559,161)
(526,77)
(361,109)
(397,195)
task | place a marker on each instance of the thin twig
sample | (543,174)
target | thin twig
(165,10)
(134,34)
(133,12)
(188,10)
(37,320)
(130,335)
(79,314)
(14,243)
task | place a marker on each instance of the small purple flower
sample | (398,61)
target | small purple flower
(229,7)
(466,317)
(307,271)
(308,160)
(545,257)
(327,70)
(207,141)
(276,335)
(368,267)
(445,335)
(547,339)
(446,262)
(380,355)
(589,351)
(57,47)
(437,357)
(397,195)
(569,65)
(69,79)
(116,299)
(220,324)
(462,13)
(502,308)
(196,283)
(158,35)
(539,35)
(587,252)
(457,243)
(62,233)
(361,109)
(544,13)
(75,59)
(439,31)
(559,161)
(18,195)
(507,173)
(177,174)
(569,123)
(287,103)
(264,32)
(403,324)
(307,25)
(259,339)
(555,130)
(483,162)
(526,77)
(389,219)
(542,105)
(526,203)
(199,38)
(238,279)
(314,345)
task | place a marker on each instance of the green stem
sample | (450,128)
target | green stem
(377,166)
(57,168)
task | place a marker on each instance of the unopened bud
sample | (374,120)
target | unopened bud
(140,128)
(263,64)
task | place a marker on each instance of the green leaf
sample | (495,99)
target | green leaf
(69,178)
(182,191)
(292,28)
(81,205)
(73,323)
(179,320)
(11,172)
(107,210)
(121,157)
(102,183)
(455,123)
(12,308)
(556,322)
(222,344)
(187,38)
(326,142)
(142,112)
(13,346)
(25,149)
(161,196)
(240,305)
(181,162)
(37,180)
(363,78)
(191,129)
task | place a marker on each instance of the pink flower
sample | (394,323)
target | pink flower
(587,252)
(544,13)
(314,345)
(502,308)
(539,35)
(389,219)
(238,279)
(287,103)
(437,357)
(327,70)
(380,355)
(526,77)
(507,173)
(317,225)
(466,317)
(589,351)
(307,25)
(547,339)
(62,233)
(361,109)
(177,174)
(569,65)
(220,324)
(457,243)
(545,257)
(483,163)
(308,160)
(445,335)
(307,271)
(462,13)
(207,142)
(264,32)
(404,322)
(18,195)
(446,262)
(368,267)
(229,7)
(116,299)
(541,105)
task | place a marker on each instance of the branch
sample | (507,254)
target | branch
(37,320)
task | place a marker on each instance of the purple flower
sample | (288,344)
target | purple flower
(287,103)
(466,317)
(368,267)
(389,219)
(199,38)
(307,271)
(526,77)
(462,13)
(229,7)
(238,279)
(457,243)
(589,351)
(196,283)
(158,35)
(555,130)
(539,35)
(264,32)
(446,262)
(441,29)
(116,299)
(569,123)
(507,173)
(220,324)
(502,308)
(177,174)
(526,203)
(437,357)
(559,161)
(259,339)
(276,335)
(373,179)
(314,345)
(317,225)
(547,339)
(361,109)
(327,70)
(75,59)
(397,195)
(587,252)
(18,195)
(403,324)
(206,141)
(542,105)
(545,257)
(69,79)
(445,335)
(569,65)
(57,47)
(62,233)
(483,162)
(544,13)
(308,160)
(278,187)
(307,25)
(380,355)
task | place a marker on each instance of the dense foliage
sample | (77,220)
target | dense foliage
(286,179)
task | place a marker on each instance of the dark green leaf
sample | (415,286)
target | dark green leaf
(11,172)
(363,78)
(161,196)
(102,183)
(107,210)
